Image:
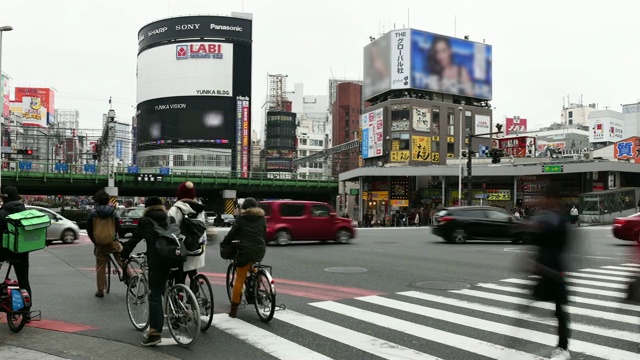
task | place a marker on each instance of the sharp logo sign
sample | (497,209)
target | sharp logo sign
(199,51)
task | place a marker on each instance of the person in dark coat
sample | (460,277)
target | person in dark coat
(158,271)
(250,228)
(11,204)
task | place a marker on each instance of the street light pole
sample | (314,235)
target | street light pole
(460,108)
(2,29)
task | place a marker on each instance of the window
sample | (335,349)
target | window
(303,141)
(451,125)
(497,215)
(400,141)
(292,210)
(468,122)
(451,149)
(476,214)
(320,211)
(570,114)
(435,121)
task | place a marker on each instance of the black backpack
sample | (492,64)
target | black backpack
(170,243)
(193,230)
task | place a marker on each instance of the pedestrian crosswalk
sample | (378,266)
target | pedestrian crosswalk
(485,321)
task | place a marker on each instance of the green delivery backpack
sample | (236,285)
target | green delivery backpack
(26,231)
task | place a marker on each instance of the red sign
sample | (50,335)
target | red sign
(45,98)
(521,146)
(628,149)
(515,125)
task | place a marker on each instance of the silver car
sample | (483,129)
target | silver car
(61,228)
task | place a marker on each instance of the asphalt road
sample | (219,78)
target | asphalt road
(392,293)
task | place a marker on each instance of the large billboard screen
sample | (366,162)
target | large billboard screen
(606,129)
(185,69)
(404,59)
(372,127)
(186,121)
(38,105)
(628,149)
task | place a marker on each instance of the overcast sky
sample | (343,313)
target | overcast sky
(542,50)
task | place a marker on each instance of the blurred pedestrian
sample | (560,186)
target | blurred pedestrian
(575,215)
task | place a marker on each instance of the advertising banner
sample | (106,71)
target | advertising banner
(377,67)
(38,105)
(400,59)
(372,126)
(519,147)
(542,145)
(284,165)
(421,148)
(606,130)
(422,119)
(449,65)
(185,69)
(187,121)
(400,155)
(239,133)
(628,149)
(482,125)
(245,137)
(119,149)
(4,90)
(281,154)
(515,125)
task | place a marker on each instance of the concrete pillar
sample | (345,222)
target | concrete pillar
(229,197)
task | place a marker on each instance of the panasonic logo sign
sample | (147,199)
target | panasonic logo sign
(226,27)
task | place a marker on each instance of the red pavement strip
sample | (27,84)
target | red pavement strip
(57,325)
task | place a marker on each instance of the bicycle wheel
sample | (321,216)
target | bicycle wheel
(16,320)
(133,266)
(108,282)
(201,288)
(183,314)
(264,296)
(231,277)
(138,301)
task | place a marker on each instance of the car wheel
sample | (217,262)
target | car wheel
(459,236)
(283,237)
(343,236)
(68,236)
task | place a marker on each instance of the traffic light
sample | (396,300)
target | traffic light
(24,151)
(495,155)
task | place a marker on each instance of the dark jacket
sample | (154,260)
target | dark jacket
(552,238)
(250,228)
(8,208)
(146,231)
(101,211)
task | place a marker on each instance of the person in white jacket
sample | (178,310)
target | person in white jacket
(187,204)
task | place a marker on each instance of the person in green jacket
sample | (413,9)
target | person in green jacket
(250,228)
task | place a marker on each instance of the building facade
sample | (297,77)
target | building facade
(577,114)
(345,114)
(280,142)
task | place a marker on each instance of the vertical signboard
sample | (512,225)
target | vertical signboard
(245,137)
(422,119)
(4,90)
(515,125)
(134,142)
(119,149)
(421,148)
(482,125)
(400,59)
(238,133)
(372,133)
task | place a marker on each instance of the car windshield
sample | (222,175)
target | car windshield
(442,213)
(132,213)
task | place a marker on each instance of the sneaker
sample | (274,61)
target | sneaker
(560,354)
(152,340)
(99,294)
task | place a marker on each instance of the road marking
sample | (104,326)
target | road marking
(264,340)
(634,265)
(616,334)
(611,272)
(548,306)
(601,277)
(60,326)
(499,328)
(366,343)
(621,268)
(575,255)
(572,280)
(471,345)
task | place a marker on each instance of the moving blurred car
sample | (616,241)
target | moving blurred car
(305,220)
(210,217)
(627,228)
(462,223)
(61,229)
(129,218)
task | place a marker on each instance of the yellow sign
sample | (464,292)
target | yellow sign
(400,156)
(451,139)
(395,145)
(499,195)
(399,202)
(421,148)
(359,160)
(451,156)
(375,195)
(466,141)
(435,138)
(435,157)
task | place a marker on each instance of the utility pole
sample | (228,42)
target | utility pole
(469,161)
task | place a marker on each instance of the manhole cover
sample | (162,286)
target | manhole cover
(346,269)
(441,285)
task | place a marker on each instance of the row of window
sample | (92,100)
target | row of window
(312,142)
(298,210)
(201,160)
(313,165)
(404,114)
(280,142)
(281,131)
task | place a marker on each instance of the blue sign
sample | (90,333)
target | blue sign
(24,165)
(365,143)
(61,167)
(90,168)
(133,170)
(165,171)
(119,149)
(17,301)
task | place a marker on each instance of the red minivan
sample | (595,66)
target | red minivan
(289,220)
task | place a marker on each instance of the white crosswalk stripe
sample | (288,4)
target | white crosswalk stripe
(488,320)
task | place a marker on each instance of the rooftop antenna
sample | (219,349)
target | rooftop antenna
(110,105)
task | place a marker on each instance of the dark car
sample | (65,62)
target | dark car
(462,223)
(226,220)
(627,228)
(305,220)
(129,220)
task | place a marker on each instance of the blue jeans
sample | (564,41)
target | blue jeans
(157,282)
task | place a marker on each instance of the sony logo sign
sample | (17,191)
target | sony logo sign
(187,27)
(225,27)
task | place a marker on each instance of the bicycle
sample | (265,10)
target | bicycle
(113,268)
(259,289)
(13,301)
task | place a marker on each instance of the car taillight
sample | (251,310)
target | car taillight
(619,222)
(121,221)
(135,221)
(445,219)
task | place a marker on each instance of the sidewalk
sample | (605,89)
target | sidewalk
(38,344)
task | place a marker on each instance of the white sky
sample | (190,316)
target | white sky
(542,50)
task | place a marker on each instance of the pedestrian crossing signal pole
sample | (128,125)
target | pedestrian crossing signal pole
(469,161)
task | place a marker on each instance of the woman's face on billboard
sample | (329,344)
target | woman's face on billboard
(443,53)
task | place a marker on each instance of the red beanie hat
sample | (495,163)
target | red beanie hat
(186,190)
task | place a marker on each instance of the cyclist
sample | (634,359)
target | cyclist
(11,204)
(187,204)
(158,271)
(250,228)
(103,225)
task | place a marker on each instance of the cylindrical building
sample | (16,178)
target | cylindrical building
(193,89)
(280,143)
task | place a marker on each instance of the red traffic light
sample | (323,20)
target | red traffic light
(29,152)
